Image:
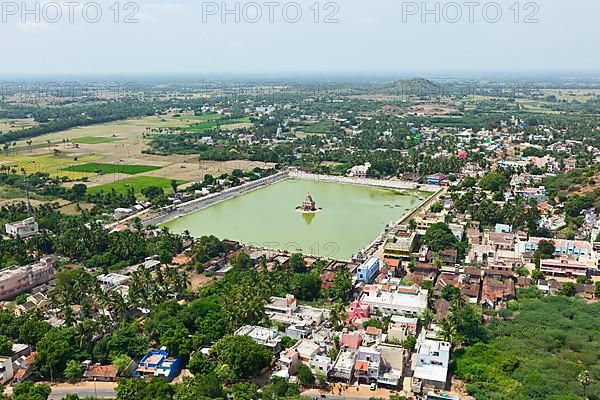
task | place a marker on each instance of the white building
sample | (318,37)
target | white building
(112,280)
(270,338)
(23,229)
(405,300)
(430,365)
(121,212)
(320,363)
(6,370)
(286,310)
(343,368)
(360,171)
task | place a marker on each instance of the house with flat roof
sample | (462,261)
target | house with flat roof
(23,229)
(403,300)
(367,271)
(430,365)
(158,364)
(573,248)
(6,370)
(284,305)
(320,363)
(112,280)
(367,364)
(286,311)
(343,368)
(269,337)
(286,364)
(436,179)
(16,280)
(400,245)
(565,267)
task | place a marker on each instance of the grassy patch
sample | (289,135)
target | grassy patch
(137,183)
(53,165)
(206,125)
(94,139)
(104,168)
(200,117)
(320,127)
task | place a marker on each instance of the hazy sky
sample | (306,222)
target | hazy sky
(182,36)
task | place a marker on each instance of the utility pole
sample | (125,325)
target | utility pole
(29,211)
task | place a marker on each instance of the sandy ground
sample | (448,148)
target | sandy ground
(346,391)
(194,170)
(15,124)
(198,280)
(34,203)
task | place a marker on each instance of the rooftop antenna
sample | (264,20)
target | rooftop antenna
(29,211)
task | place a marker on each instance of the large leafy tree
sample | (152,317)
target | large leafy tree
(245,357)
(494,182)
(55,349)
(203,387)
(31,391)
(5,346)
(342,285)
(137,389)
(439,237)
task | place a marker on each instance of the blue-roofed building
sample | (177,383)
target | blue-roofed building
(441,396)
(436,179)
(158,364)
(368,270)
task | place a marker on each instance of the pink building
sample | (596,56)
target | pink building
(359,310)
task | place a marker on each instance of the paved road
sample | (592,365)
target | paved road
(104,390)
(332,397)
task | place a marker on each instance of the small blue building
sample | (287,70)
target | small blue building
(436,179)
(158,364)
(368,270)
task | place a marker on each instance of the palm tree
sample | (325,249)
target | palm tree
(427,316)
(448,329)
(119,305)
(584,380)
(338,315)
(457,301)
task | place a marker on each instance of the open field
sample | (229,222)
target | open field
(573,94)
(71,208)
(50,164)
(104,168)
(94,140)
(16,124)
(96,144)
(203,126)
(137,183)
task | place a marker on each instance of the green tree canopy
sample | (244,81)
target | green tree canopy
(245,357)
(439,237)
(494,182)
